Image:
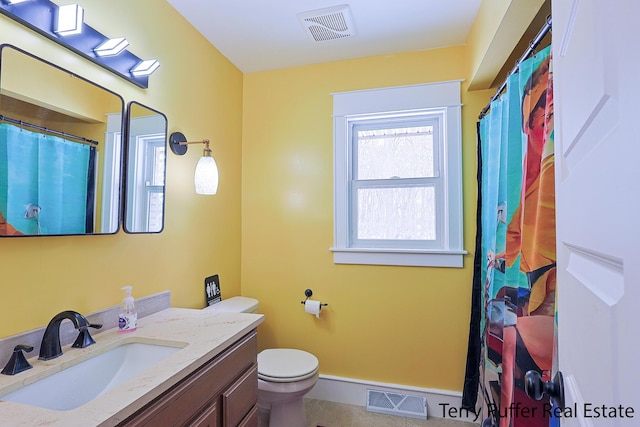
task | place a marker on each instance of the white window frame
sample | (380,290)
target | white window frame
(110,217)
(356,107)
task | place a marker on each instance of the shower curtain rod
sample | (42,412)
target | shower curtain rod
(532,46)
(54,132)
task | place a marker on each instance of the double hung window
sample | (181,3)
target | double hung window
(397,170)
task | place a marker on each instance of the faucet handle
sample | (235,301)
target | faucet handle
(18,362)
(84,338)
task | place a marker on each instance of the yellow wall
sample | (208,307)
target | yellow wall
(271,222)
(403,325)
(200,91)
(64,93)
(496,31)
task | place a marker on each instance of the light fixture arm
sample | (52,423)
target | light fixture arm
(178,143)
(206,151)
(204,141)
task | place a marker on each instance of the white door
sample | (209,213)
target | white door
(596,66)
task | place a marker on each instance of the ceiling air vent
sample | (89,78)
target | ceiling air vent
(330,23)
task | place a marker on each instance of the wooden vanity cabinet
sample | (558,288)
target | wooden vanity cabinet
(222,393)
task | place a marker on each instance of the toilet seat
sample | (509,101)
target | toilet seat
(285,365)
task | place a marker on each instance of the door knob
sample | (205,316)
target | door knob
(536,388)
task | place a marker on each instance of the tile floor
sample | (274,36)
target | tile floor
(330,414)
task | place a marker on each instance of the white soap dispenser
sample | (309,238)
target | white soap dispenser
(128,321)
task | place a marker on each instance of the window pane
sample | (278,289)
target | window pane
(157,167)
(405,213)
(400,152)
(155,210)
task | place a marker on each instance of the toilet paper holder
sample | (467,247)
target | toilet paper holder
(308,293)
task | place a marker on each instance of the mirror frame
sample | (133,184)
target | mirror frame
(118,185)
(127,178)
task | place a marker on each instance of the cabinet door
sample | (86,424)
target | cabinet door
(203,388)
(240,397)
(208,418)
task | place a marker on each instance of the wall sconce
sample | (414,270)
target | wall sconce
(64,25)
(206,175)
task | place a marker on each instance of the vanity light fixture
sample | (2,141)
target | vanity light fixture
(64,24)
(112,47)
(69,20)
(145,68)
(206,175)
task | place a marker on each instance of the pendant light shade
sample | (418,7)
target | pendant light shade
(206,176)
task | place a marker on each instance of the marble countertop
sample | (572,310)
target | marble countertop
(200,334)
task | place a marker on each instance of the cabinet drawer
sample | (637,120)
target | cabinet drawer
(238,399)
(208,418)
(251,420)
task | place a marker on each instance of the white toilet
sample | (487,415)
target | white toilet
(285,375)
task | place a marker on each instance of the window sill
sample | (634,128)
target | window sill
(399,257)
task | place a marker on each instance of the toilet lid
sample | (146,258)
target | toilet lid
(286,365)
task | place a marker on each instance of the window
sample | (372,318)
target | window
(149,189)
(146,170)
(397,176)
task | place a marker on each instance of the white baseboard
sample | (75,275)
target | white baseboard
(440,403)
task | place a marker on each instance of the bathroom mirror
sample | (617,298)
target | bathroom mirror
(60,150)
(146,135)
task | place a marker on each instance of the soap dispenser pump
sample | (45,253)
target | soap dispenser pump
(128,321)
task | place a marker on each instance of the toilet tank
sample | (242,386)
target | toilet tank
(235,305)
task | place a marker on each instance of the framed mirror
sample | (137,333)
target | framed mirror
(60,150)
(145,159)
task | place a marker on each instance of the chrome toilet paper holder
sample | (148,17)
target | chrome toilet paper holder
(308,293)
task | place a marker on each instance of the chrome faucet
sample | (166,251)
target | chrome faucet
(50,347)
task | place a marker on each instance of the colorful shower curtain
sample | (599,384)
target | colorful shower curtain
(515,328)
(46,183)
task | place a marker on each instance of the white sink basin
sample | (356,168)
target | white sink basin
(74,386)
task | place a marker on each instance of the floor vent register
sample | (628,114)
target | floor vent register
(392,403)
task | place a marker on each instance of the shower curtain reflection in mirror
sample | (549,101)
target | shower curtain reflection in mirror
(47,184)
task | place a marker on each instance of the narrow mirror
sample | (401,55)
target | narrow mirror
(60,150)
(145,169)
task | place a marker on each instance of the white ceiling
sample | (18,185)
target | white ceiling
(258,35)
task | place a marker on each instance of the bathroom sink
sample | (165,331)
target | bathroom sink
(79,384)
